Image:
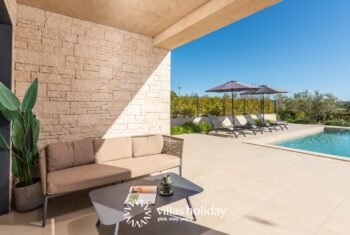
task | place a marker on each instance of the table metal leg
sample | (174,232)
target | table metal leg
(116,228)
(190,206)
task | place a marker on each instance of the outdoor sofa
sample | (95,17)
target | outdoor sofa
(78,165)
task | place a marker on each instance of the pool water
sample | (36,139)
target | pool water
(333,142)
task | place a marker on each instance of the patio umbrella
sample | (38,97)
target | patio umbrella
(264,90)
(250,92)
(232,86)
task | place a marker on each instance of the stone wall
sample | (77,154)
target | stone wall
(94,80)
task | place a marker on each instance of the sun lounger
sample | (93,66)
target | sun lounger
(282,125)
(248,126)
(217,126)
(251,121)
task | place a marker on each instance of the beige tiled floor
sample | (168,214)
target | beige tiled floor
(264,190)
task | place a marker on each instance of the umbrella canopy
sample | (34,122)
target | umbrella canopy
(264,90)
(232,86)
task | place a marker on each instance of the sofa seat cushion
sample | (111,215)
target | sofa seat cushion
(147,145)
(147,164)
(112,149)
(83,177)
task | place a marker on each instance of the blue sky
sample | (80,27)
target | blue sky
(296,45)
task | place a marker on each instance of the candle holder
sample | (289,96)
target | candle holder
(166,186)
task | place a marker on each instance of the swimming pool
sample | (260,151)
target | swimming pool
(333,142)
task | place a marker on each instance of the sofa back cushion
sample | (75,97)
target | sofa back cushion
(147,145)
(83,152)
(112,149)
(59,156)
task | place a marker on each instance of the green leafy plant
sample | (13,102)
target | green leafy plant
(190,127)
(258,121)
(25,132)
(270,121)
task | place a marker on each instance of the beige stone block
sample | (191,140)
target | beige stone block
(30,13)
(78,96)
(122,95)
(74,66)
(68,119)
(21,88)
(55,94)
(131,68)
(89,41)
(82,85)
(115,62)
(58,22)
(89,119)
(48,119)
(55,107)
(141,60)
(64,71)
(38,46)
(130,44)
(78,30)
(144,46)
(82,23)
(68,37)
(101,97)
(73,59)
(52,42)
(28,24)
(22,76)
(64,51)
(59,87)
(56,129)
(82,74)
(53,59)
(50,33)
(21,44)
(105,72)
(50,78)
(28,56)
(85,51)
(90,67)
(29,33)
(81,130)
(114,36)
(46,69)
(96,32)
(27,67)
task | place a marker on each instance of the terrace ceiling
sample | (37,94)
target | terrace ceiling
(171,23)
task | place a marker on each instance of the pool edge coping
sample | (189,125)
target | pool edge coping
(266,142)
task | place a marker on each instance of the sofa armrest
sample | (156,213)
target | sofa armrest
(43,169)
(173,146)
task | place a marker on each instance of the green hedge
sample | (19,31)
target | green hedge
(190,127)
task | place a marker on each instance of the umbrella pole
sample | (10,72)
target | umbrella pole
(263,107)
(275,106)
(244,105)
(232,111)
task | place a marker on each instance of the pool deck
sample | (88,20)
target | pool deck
(264,190)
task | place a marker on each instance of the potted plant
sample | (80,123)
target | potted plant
(25,130)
